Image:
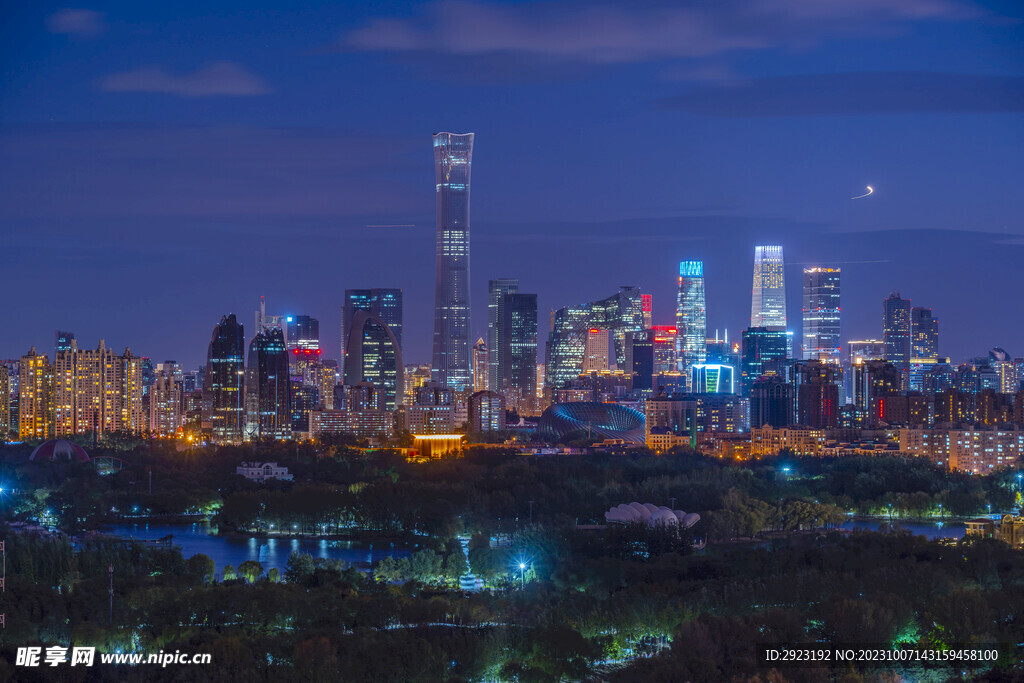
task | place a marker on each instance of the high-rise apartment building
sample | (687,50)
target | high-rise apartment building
(896,325)
(374,355)
(223,382)
(768,303)
(385,303)
(619,314)
(821,314)
(453,156)
(268,410)
(165,404)
(691,317)
(5,403)
(35,396)
(97,391)
(496,331)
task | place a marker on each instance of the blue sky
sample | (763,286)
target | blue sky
(166,164)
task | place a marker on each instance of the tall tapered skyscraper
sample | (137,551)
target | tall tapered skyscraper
(768,303)
(691,317)
(453,156)
(821,314)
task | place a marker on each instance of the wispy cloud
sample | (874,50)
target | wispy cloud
(81,23)
(635,31)
(855,94)
(219,78)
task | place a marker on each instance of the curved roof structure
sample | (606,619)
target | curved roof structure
(59,449)
(650,514)
(609,420)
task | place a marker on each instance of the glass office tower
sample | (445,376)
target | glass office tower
(375,356)
(268,388)
(224,381)
(896,325)
(691,317)
(821,314)
(496,330)
(453,156)
(768,303)
(620,314)
(384,303)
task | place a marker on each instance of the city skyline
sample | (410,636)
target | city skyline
(159,162)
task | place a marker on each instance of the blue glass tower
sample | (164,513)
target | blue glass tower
(453,156)
(691,317)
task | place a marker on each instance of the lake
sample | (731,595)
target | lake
(931,530)
(270,552)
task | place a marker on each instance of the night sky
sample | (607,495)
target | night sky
(162,164)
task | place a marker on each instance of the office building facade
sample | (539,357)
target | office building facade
(374,355)
(691,317)
(821,314)
(619,314)
(453,157)
(268,388)
(223,383)
(384,303)
(768,303)
(896,325)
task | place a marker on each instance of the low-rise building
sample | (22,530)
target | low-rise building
(768,440)
(262,471)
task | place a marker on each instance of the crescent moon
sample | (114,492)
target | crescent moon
(870,191)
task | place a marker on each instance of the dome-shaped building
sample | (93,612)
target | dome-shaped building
(59,450)
(608,420)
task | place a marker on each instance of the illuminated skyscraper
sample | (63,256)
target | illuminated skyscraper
(302,332)
(759,347)
(268,388)
(374,356)
(821,314)
(620,314)
(691,317)
(924,329)
(480,365)
(896,324)
(453,156)
(384,303)
(63,340)
(519,355)
(223,404)
(496,331)
(768,303)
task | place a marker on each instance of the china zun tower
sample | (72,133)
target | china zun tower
(453,155)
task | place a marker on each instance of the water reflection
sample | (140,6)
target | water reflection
(270,552)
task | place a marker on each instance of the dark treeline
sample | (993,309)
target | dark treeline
(340,489)
(592,603)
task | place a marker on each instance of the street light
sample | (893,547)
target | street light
(522,572)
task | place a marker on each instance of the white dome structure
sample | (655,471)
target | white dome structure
(650,514)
